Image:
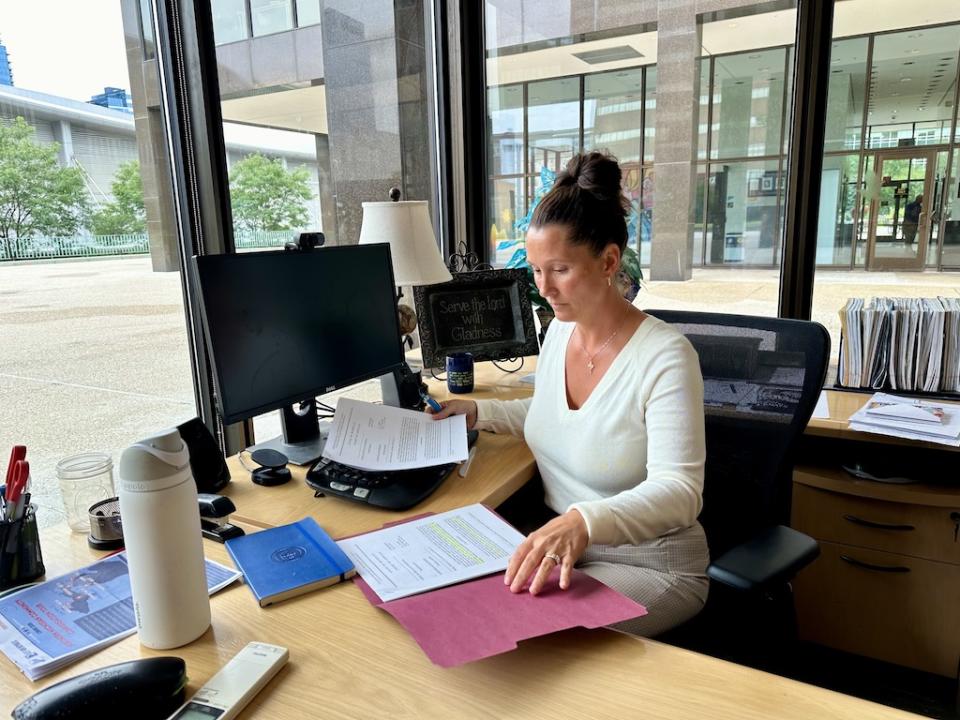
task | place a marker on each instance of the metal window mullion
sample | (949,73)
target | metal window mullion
(950,150)
(862,157)
(778,249)
(643,126)
(194,129)
(709,150)
(582,86)
(805,165)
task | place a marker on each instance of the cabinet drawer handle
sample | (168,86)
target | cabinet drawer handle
(871,566)
(877,525)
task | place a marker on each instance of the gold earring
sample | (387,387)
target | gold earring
(609,281)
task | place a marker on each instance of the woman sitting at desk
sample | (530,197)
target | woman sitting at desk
(616,419)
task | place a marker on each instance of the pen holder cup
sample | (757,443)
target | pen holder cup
(20,558)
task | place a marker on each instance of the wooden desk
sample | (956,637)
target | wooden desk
(887,583)
(350,660)
(501,467)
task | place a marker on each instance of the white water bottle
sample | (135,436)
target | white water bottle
(161,530)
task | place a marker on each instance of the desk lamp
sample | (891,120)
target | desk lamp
(406,226)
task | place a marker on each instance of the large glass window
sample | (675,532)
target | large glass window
(744,95)
(93,339)
(308,12)
(748,103)
(336,126)
(558,95)
(229,20)
(271,16)
(889,187)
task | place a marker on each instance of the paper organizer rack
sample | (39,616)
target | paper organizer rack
(905,345)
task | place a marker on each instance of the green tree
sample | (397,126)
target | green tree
(125,214)
(267,196)
(37,196)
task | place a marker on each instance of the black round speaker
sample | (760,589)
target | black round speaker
(273,468)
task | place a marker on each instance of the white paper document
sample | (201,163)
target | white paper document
(381,437)
(433,552)
(892,415)
(822,410)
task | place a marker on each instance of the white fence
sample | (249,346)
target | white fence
(38,248)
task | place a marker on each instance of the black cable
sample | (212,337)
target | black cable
(513,359)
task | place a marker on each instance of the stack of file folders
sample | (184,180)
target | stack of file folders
(906,344)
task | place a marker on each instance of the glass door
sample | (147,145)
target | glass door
(900,222)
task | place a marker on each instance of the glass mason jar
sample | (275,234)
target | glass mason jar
(84,479)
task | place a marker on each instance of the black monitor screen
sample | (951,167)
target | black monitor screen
(287,326)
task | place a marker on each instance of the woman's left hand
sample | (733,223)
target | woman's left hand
(565,537)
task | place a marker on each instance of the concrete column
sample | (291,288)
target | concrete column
(151,147)
(374,69)
(63,134)
(327,194)
(678,87)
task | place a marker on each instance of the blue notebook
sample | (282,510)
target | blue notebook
(290,560)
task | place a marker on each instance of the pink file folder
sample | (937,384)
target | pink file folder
(481,618)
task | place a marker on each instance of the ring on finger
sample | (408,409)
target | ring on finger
(552,556)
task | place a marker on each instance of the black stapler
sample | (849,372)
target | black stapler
(215,516)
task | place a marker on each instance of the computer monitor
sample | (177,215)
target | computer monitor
(284,327)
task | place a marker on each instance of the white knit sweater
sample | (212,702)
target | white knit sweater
(630,459)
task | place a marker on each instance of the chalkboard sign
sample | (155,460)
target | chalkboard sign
(486,312)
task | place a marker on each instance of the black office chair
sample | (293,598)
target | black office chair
(762,377)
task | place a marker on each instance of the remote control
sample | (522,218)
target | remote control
(228,692)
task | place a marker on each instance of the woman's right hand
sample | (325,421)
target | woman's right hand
(457,407)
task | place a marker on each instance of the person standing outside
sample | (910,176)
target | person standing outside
(911,219)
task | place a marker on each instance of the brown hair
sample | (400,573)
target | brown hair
(587,199)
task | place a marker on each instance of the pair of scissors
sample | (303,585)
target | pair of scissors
(18,473)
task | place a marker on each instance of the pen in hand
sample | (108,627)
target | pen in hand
(434,405)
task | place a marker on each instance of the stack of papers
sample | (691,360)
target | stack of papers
(909,418)
(910,344)
(380,437)
(48,626)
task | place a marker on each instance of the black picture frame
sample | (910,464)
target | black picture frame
(484,312)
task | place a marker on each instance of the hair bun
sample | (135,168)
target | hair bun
(596,173)
(586,197)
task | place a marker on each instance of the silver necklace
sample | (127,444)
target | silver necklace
(590,365)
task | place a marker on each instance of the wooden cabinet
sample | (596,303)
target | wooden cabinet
(887,583)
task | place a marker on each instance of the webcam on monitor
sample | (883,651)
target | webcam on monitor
(305,241)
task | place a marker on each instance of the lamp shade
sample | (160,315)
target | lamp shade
(413,246)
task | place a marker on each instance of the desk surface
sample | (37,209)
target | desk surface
(351,660)
(354,661)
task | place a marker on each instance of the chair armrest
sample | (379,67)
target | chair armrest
(772,557)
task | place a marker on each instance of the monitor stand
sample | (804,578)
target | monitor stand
(303,435)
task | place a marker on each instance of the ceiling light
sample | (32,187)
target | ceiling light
(894,94)
(914,51)
(731,25)
(906,79)
(605,55)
